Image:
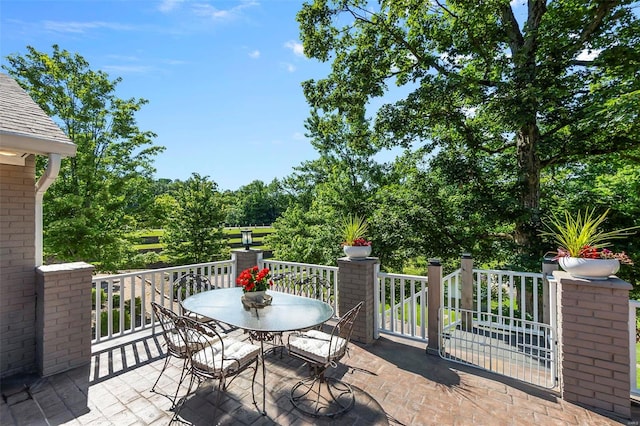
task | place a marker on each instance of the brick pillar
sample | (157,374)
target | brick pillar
(245,259)
(434,288)
(356,283)
(594,342)
(63,317)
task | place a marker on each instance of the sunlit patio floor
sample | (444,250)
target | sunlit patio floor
(395,382)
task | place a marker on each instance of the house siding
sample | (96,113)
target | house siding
(17,273)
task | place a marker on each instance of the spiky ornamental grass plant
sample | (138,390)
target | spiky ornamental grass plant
(353,228)
(579,236)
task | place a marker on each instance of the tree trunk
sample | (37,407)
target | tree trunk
(528,184)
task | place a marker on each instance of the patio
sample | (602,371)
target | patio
(396,383)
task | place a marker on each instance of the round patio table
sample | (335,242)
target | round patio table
(286,312)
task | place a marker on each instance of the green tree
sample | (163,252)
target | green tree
(493,89)
(95,199)
(194,233)
(257,203)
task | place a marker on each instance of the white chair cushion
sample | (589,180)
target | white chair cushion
(177,342)
(314,344)
(210,358)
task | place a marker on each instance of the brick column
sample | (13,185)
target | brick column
(245,259)
(356,283)
(434,288)
(594,342)
(63,317)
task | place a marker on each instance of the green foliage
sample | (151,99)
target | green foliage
(353,228)
(487,104)
(98,193)
(194,233)
(256,203)
(307,236)
(104,321)
(103,297)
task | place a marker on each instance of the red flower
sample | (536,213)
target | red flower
(254,279)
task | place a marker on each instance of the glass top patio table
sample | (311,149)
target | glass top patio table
(286,312)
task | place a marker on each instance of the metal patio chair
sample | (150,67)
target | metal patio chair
(174,342)
(224,358)
(320,395)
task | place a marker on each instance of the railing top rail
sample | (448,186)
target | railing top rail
(506,272)
(406,276)
(452,275)
(634,303)
(309,265)
(168,269)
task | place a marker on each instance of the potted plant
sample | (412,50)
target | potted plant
(582,247)
(255,282)
(354,245)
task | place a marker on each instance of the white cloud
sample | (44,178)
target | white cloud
(209,11)
(169,5)
(289,67)
(295,47)
(82,27)
(297,136)
(255,54)
(588,54)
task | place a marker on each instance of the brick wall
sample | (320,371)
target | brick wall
(63,317)
(594,351)
(17,263)
(356,284)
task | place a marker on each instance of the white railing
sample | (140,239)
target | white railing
(450,299)
(401,305)
(122,303)
(633,344)
(509,294)
(287,274)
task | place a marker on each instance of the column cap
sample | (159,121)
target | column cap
(563,277)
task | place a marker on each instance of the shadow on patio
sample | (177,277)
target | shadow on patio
(395,382)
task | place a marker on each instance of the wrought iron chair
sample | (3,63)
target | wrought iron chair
(313,286)
(174,342)
(225,357)
(188,285)
(321,350)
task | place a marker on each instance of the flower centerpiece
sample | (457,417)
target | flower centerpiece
(354,244)
(255,282)
(583,248)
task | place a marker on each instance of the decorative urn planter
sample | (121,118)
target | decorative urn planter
(357,252)
(591,269)
(255,296)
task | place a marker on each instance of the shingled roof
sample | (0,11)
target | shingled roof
(25,128)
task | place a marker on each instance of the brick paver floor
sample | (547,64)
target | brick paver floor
(395,382)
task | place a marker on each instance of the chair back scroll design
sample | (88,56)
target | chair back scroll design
(174,342)
(190,284)
(213,355)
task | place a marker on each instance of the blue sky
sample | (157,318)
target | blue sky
(222,77)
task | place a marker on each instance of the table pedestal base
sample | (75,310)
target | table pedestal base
(322,396)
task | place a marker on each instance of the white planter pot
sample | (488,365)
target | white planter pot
(591,269)
(357,252)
